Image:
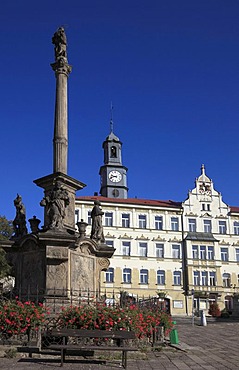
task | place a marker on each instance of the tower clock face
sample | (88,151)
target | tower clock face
(115,176)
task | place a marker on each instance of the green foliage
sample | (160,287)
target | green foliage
(6,228)
(225,314)
(4,267)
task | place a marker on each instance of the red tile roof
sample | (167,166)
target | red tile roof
(136,201)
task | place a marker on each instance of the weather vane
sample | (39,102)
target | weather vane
(111,117)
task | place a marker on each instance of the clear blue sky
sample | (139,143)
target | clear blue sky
(171,69)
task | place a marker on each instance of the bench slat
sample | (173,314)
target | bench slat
(84,333)
(74,347)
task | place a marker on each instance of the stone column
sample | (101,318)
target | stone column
(62,70)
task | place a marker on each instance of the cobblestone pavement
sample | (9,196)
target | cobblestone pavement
(214,346)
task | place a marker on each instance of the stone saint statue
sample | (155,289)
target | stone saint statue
(19,222)
(59,40)
(56,202)
(97,228)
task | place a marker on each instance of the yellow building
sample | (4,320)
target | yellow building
(188,251)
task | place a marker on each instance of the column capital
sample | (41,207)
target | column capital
(61,66)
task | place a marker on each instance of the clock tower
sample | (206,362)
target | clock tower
(113,174)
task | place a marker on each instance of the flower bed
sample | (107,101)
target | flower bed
(19,318)
(22,317)
(141,321)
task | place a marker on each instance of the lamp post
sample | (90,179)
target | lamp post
(193,307)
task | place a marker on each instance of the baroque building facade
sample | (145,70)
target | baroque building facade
(186,252)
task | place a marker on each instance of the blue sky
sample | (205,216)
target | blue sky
(171,69)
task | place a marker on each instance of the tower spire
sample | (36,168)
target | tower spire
(111,117)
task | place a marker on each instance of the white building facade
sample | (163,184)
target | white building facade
(187,250)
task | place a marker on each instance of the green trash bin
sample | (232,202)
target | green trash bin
(173,336)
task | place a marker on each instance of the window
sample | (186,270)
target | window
(212,278)
(77,216)
(195,251)
(207,226)
(210,253)
(204,278)
(89,218)
(126,248)
(113,152)
(202,252)
(224,254)
(110,243)
(236,227)
(143,276)
(176,251)
(177,278)
(108,219)
(109,275)
(125,220)
(226,280)
(127,275)
(142,221)
(161,277)
(143,249)
(205,207)
(158,222)
(174,223)
(159,250)
(237,254)
(192,224)
(196,278)
(222,227)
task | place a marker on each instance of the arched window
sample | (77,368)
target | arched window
(113,152)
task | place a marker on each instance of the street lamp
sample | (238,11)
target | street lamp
(193,291)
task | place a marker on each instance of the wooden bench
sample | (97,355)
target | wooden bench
(117,337)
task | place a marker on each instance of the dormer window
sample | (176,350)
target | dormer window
(113,152)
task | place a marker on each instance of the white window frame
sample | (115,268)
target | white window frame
(174,224)
(126,248)
(212,278)
(207,225)
(109,219)
(109,275)
(195,252)
(142,221)
(127,275)
(222,227)
(204,277)
(160,277)
(226,280)
(158,222)
(159,250)
(224,254)
(176,252)
(177,277)
(125,220)
(144,276)
(210,253)
(143,249)
(236,227)
(192,224)
(196,278)
(237,254)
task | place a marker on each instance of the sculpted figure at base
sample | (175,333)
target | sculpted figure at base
(97,228)
(19,222)
(56,202)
